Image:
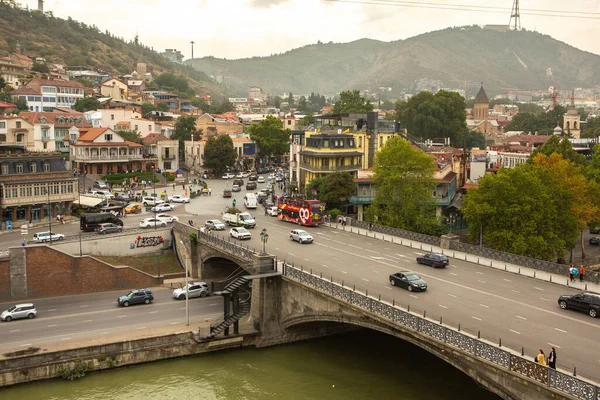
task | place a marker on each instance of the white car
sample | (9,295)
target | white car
(47,237)
(215,224)
(240,175)
(194,289)
(151,201)
(301,236)
(178,199)
(162,207)
(272,211)
(261,179)
(152,222)
(245,174)
(167,217)
(240,233)
(228,176)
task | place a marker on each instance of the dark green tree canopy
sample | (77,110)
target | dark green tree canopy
(352,102)
(440,115)
(591,129)
(132,136)
(86,104)
(563,147)
(185,126)
(270,136)
(147,108)
(223,107)
(219,153)
(333,189)
(542,123)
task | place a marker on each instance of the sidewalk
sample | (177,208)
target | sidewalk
(487,262)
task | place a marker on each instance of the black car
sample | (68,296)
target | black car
(586,302)
(227,193)
(595,240)
(262,170)
(251,185)
(408,280)
(433,259)
(253,177)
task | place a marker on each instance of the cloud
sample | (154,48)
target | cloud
(266,3)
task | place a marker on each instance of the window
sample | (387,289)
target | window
(45,146)
(19,168)
(380,141)
(4,169)
(112,117)
(46,167)
(289,121)
(20,137)
(2,138)
(28,190)
(36,190)
(136,128)
(18,124)
(33,167)
(108,137)
(2,124)
(149,128)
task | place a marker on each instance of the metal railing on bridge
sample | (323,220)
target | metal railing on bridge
(233,248)
(507,359)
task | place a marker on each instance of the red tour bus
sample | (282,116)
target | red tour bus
(300,211)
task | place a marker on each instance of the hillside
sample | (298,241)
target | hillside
(69,42)
(503,60)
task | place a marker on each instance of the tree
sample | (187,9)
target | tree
(591,129)
(352,102)
(224,107)
(164,107)
(40,67)
(2,83)
(147,108)
(523,121)
(132,136)
(86,104)
(542,123)
(270,136)
(302,104)
(502,100)
(333,189)
(219,153)
(201,104)
(440,115)
(290,100)
(592,170)
(309,118)
(562,147)
(531,108)
(404,182)
(184,128)
(475,139)
(277,101)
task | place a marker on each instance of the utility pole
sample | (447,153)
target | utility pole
(192,42)
(515,14)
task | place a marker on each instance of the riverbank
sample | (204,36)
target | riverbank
(73,360)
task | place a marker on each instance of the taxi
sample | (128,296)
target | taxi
(133,209)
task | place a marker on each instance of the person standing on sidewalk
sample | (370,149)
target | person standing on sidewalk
(552,358)
(581,273)
(571,272)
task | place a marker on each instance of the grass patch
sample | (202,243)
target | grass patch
(148,263)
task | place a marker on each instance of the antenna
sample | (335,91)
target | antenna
(41,6)
(514,14)
(192,43)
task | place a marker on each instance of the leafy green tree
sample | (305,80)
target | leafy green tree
(270,136)
(333,189)
(531,108)
(591,129)
(147,108)
(86,104)
(223,107)
(290,100)
(170,80)
(502,100)
(523,121)
(2,83)
(219,153)
(40,67)
(308,119)
(302,104)
(475,139)
(429,116)
(563,147)
(403,178)
(277,101)
(387,105)
(201,104)
(164,107)
(185,127)
(132,136)
(542,123)
(592,169)
(352,102)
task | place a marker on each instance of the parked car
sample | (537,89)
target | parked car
(136,296)
(215,224)
(236,188)
(194,289)
(260,179)
(123,198)
(228,175)
(152,222)
(250,185)
(408,280)
(595,229)
(100,185)
(19,311)
(47,237)
(162,207)
(167,217)
(253,177)
(178,199)
(133,209)
(268,203)
(272,211)
(227,193)
(103,229)
(240,233)
(151,201)
(433,260)
(301,236)
(595,240)
(586,302)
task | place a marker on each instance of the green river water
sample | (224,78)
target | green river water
(358,365)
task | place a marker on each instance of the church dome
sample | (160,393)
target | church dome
(558,130)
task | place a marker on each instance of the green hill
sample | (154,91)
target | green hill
(503,60)
(69,42)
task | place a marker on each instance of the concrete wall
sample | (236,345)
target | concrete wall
(118,244)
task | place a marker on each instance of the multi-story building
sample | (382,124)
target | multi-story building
(112,118)
(51,128)
(114,89)
(45,95)
(102,151)
(16,131)
(218,124)
(34,187)
(165,150)
(245,150)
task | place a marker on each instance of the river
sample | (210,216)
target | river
(357,365)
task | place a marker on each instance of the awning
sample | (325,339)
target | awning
(88,201)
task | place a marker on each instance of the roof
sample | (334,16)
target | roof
(26,90)
(88,201)
(37,83)
(58,119)
(153,138)
(481,97)
(92,134)
(450,176)
(7,105)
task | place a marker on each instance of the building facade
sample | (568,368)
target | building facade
(165,150)
(45,95)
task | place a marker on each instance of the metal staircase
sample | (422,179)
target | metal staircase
(243,307)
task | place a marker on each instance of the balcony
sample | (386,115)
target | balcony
(108,157)
(168,156)
(330,168)
(356,199)
(46,138)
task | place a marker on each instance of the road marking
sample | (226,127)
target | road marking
(52,326)
(419,254)
(88,320)
(325,266)
(67,338)
(291,254)
(140,328)
(214,304)
(365,279)
(517,332)
(28,344)
(516,291)
(375,271)
(439,305)
(480,281)
(478,319)
(152,312)
(54,309)
(544,299)
(412,295)
(451,295)
(105,333)
(121,316)
(16,330)
(479,273)
(387,287)
(507,280)
(401,255)
(523,318)
(343,272)
(537,288)
(385,248)
(555,345)
(483,305)
(452,273)
(560,330)
(370,244)
(378,258)
(182,308)
(174,323)
(84,306)
(406,261)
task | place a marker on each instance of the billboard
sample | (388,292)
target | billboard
(249,149)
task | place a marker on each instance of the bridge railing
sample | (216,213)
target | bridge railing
(233,248)
(91,235)
(502,357)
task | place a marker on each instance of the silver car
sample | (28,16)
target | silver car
(215,224)
(195,289)
(19,311)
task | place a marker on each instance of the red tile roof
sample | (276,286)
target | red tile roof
(92,134)
(153,138)
(58,119)
(7,105)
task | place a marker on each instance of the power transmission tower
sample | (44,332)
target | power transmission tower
(514,14)
(192,43)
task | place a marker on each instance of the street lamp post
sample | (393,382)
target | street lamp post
(187,308)
(49,212)
(79,195)
(264,237)
(154,189)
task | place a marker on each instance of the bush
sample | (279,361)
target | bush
(334,213)
(118,178)
(170,177)
(78,370)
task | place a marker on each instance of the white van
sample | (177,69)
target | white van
(250,200)
(47,237)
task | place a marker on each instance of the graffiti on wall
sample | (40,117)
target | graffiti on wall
(147,241)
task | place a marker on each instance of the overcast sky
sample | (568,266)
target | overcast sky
(246,28)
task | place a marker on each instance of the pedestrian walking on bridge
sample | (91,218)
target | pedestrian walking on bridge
(552,358)
(541,358)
